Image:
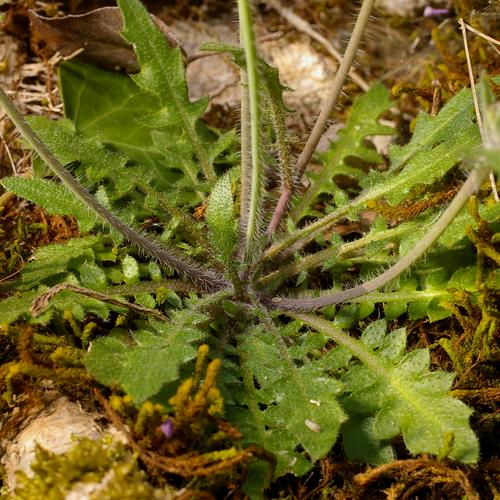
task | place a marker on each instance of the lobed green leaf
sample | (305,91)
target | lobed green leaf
(437,145)
(142,365)
(293,404)
(163,75)
(404,397)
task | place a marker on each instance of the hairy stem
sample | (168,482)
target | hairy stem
(285,163)
(471,185)
(252,230)
(277,117)
(307,233)
(168,257)
(337,85)
(318,258)
(327,107)
(304,26)
(246,164)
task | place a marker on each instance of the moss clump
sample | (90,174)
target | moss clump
(100,469)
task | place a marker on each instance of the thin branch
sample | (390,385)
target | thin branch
(471,185)
(302,25)
(41,302)
(327,107)
(476,104)
(168,257)
(481,34)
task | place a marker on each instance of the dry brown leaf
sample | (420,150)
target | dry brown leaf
(96,32)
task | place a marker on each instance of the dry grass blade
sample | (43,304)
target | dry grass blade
(303,25)
(476,104)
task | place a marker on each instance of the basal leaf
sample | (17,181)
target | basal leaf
(91,276)
(142,365)
(54,197)
(78,305)
(437,145)
(292,404)
(16,306)
(54,260)
(456,230)
(420,294)
(432,131)
(162,68)
(98,167)
(360,442)
(70,146)
(407,398)
(401,396)
(163,75)
(221,221)
(130,270)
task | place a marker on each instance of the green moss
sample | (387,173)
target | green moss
(103,461)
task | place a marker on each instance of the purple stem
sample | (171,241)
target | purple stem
(279,211)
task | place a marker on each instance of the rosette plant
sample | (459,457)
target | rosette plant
(259,275)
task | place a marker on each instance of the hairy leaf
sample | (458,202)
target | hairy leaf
(163,75)
(93,161)
(270,81)
(221,221)
(401,395)
(141,366)
(436,146)
(54,261)
(456,230)
(276,110)
(55,198)
(431,283)
(421,166)
(290,402)
(268,95)
(18,305)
